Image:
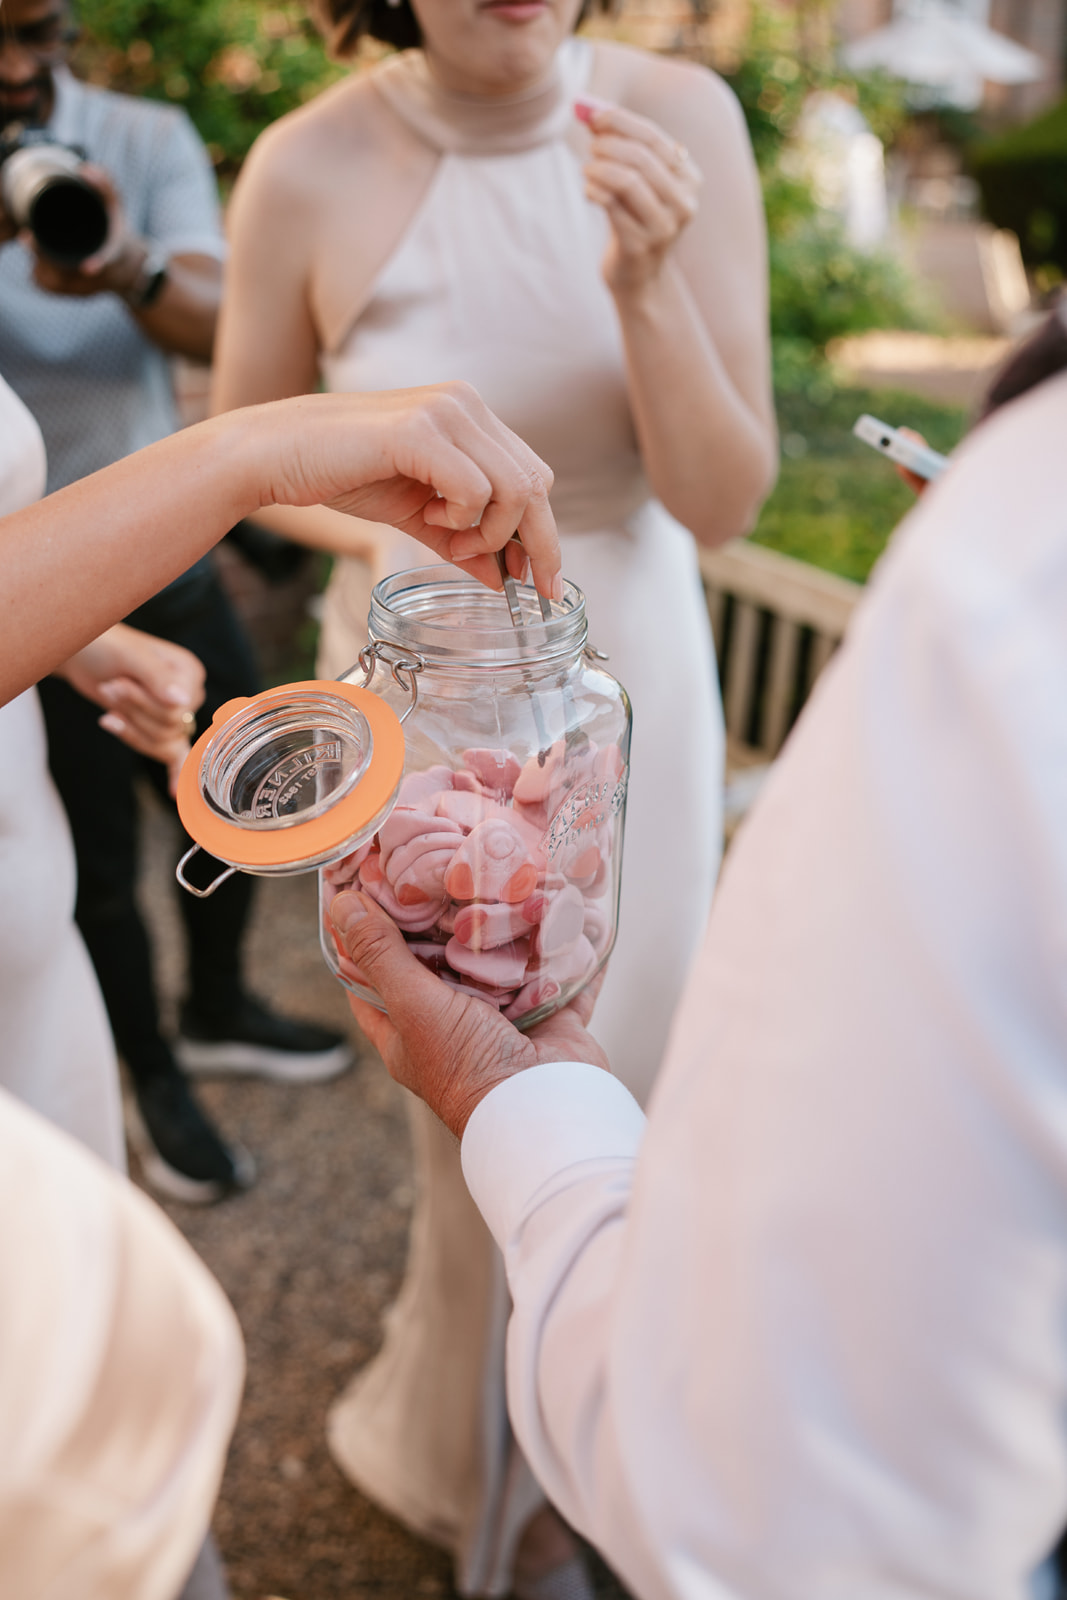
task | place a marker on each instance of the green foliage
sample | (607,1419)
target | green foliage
(836,503)
(776,75)
(822,288)
(1023,179)
(234,65)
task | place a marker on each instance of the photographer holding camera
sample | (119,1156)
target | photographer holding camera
(110,262)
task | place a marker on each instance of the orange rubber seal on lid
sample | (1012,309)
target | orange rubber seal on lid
(242,846)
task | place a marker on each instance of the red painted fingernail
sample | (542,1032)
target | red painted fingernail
(587,106)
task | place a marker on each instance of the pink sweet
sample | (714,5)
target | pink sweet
(502,968)
(472,989)
(468,809)
(492,863)
(581,861)
(536,993)
(370,870)
(573,964)
(484,927)
(412,919)
(496,769)
(562,924)
(424,879)
(420,865)
(416,788)
(539,775)
(430,954)
(406,824)
(596,926)
(345,870)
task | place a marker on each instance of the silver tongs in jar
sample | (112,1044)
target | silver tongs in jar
(573,736)
(511,593)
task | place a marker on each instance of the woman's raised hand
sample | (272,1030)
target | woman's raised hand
(149,689)
(434,462)
(647,184)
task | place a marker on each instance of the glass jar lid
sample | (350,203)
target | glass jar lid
(293,777)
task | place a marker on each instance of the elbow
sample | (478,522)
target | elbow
(731,509)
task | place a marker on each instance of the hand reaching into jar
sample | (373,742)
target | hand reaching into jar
(449,1049)
(435,459)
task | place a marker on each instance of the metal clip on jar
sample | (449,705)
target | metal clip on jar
(489,828)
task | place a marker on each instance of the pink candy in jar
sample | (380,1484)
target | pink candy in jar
(499,871)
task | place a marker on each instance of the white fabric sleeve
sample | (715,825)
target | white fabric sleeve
(549,1157)
(805,1338)
(120,1373)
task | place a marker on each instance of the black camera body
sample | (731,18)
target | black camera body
(42,189)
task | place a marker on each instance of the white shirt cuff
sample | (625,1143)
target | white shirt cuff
(532,1127)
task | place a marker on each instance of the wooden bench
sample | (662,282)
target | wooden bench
(776,623)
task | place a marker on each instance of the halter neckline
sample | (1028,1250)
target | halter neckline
(474,125)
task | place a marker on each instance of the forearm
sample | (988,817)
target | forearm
(709,454)
(114,539)
(182,320)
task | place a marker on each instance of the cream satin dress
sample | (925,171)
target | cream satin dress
(497,280)
(56,1051)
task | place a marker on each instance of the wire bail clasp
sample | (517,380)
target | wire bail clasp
(405,666)
(201,894)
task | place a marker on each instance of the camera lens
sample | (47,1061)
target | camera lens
(43,190)
(69,220)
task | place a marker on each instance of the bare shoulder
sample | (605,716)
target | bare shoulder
(326,141)
(681,96)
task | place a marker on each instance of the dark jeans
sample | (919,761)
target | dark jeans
(95,774)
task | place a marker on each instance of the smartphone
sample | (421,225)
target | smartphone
(918,458)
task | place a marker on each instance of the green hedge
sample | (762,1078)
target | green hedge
(1023,179)
(836,502)
(234,65)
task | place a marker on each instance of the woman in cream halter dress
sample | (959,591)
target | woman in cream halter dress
(531,325)
(493,274)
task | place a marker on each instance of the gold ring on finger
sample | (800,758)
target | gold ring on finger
(188,722)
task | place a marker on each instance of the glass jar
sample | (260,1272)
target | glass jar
(489,827)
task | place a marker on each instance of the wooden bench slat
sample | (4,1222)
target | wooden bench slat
(741,668)
(789,588)
(781,683)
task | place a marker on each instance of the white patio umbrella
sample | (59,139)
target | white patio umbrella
(937,47)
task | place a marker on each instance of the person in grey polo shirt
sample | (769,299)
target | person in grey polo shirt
(87,349)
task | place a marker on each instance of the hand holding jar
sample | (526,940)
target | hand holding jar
(446,1047)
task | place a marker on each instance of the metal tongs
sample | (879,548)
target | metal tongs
(511,593)
(573,737)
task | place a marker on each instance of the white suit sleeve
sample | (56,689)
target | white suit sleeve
(804,1339)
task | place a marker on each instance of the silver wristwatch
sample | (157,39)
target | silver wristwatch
(148,285)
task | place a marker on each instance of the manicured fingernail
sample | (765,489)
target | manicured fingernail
(175,695)
(347,910)
(557,587)
(112,724)
(587,105)
(464,545)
